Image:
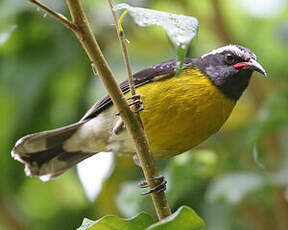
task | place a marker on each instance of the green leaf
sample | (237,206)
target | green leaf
(179,28)
(184,218)
(86,224)
(110,222)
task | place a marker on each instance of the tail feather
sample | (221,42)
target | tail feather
(43,154)
(45,140)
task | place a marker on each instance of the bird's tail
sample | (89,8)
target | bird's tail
(43,153)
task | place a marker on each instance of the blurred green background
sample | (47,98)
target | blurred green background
(236,180)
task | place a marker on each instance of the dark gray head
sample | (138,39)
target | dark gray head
(230,68)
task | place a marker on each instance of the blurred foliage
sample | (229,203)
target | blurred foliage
(46,82)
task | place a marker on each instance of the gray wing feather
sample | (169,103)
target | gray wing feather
(142,77)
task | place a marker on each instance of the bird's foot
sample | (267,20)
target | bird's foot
(136,160)
(119,127)
(158,188)
(137,102)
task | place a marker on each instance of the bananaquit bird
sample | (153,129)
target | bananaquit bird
(179,113)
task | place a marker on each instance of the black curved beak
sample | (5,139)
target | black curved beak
(254,65)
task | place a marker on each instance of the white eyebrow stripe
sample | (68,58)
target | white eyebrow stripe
(234,49)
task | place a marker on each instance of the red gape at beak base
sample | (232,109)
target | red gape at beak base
(241,64)
(252,65)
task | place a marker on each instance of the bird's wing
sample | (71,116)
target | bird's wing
(43,153)
(142,77)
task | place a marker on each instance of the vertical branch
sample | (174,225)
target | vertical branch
(89,43)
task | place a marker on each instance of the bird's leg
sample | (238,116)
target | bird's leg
(143,184)
(138,103)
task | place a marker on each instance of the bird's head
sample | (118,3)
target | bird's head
(230,68)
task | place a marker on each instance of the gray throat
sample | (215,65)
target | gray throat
(232,84)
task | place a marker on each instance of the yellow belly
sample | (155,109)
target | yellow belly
(181,112)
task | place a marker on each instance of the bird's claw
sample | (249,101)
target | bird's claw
(135,96)
(136,101)
(158,188)
(141,108)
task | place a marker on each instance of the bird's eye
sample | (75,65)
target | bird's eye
(229,59)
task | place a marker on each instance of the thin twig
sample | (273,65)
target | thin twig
(57,15)
(90,45)
(122,40)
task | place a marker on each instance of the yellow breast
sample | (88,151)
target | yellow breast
(181,112)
